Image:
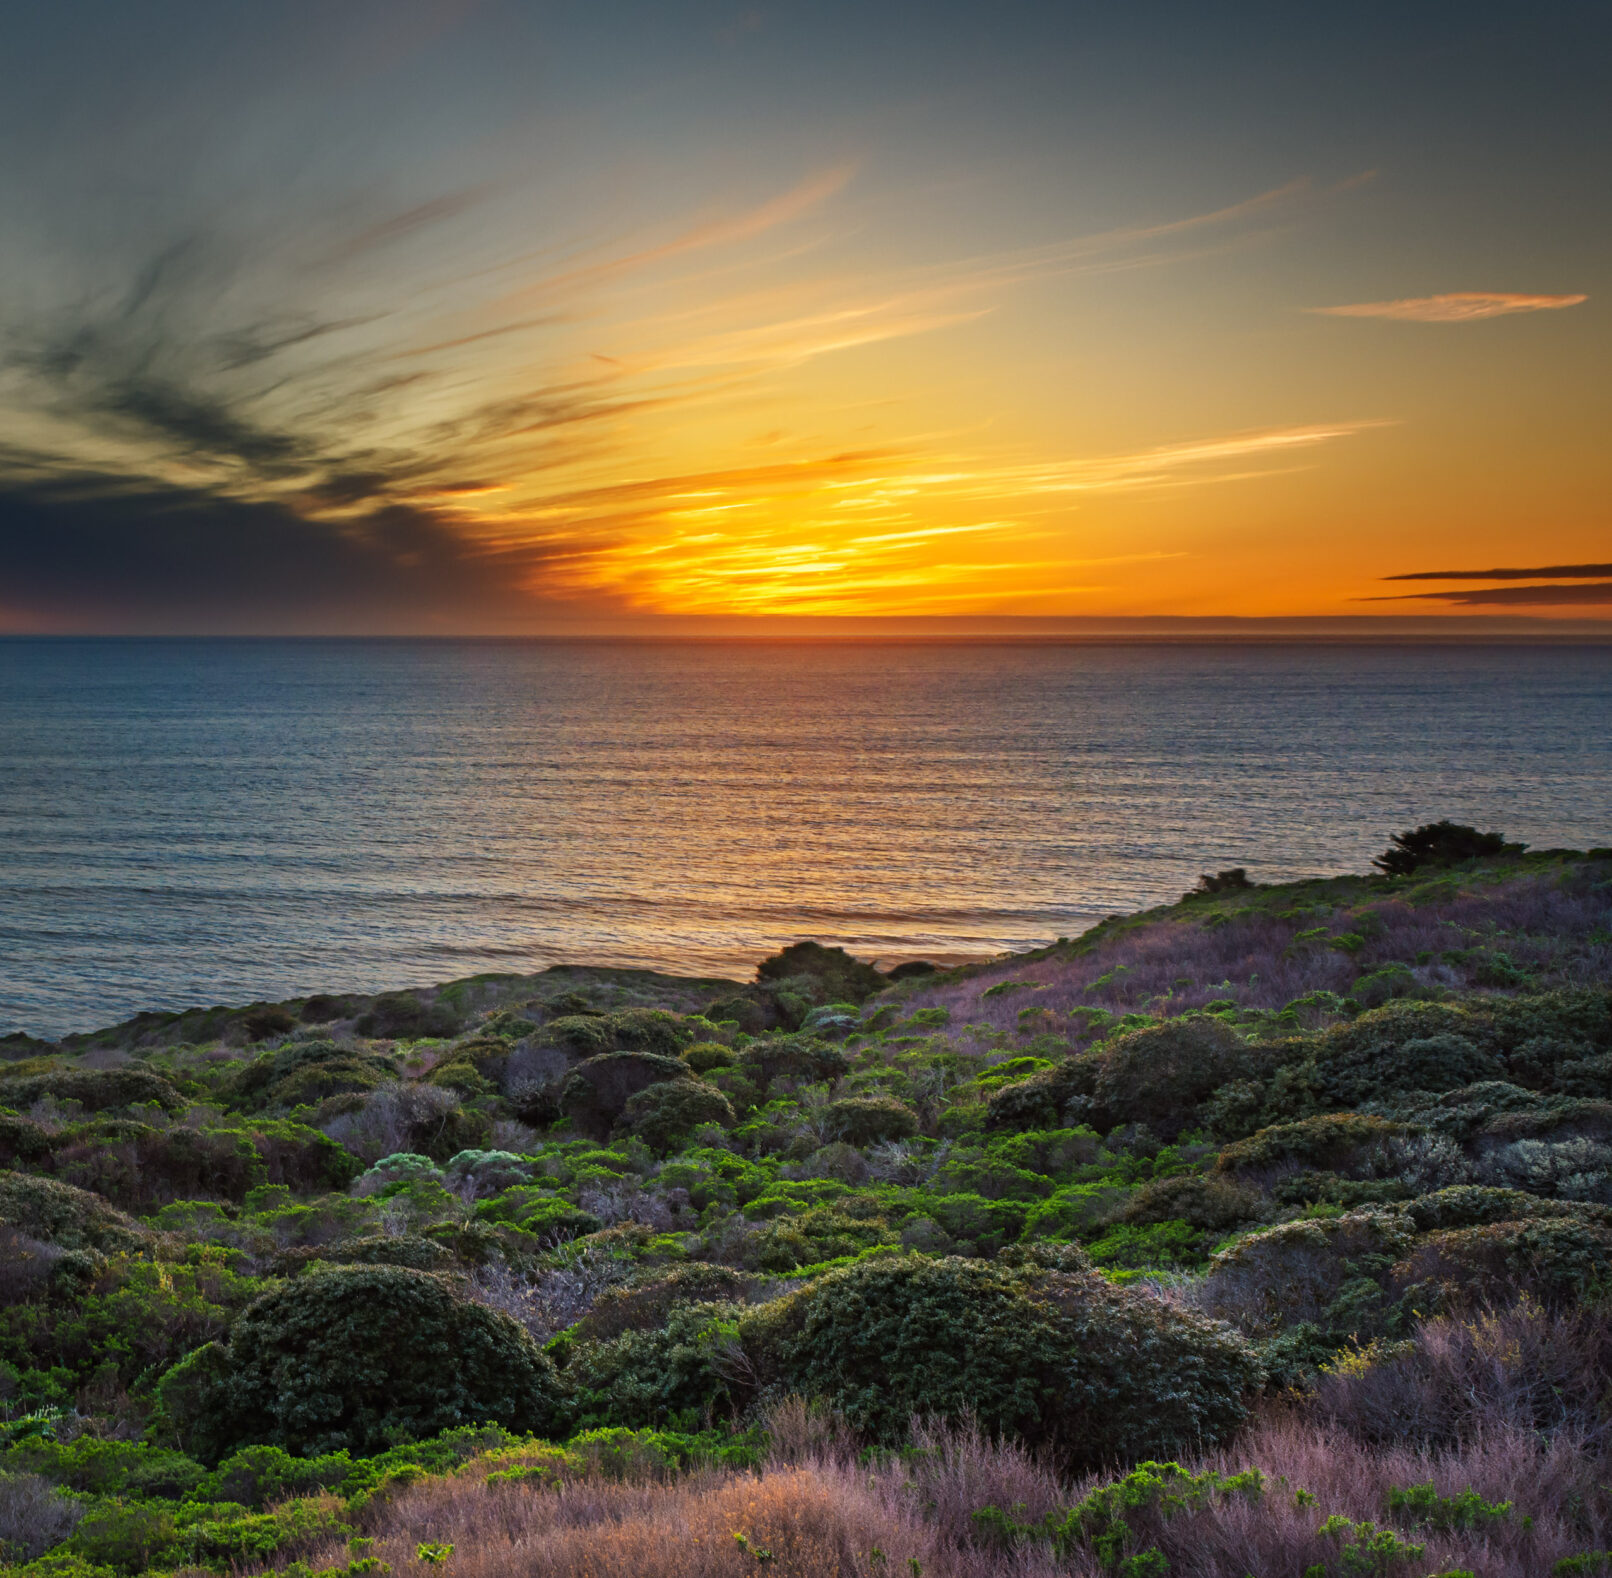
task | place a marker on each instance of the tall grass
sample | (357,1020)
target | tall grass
(818,1509)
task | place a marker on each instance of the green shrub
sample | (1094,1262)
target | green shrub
(665,1115)
(411,1250)
(586,1035)
(22,1140)
(478,1174)
(627,1029)
(107,1468)
(1108,1372)
(124,1535)
(1052,1153)
(1330,1273)
(1403,1046)
(1333,1143)
(1474,1205)
(866,1120)
(292,1529)
(596,1091)
(355,1359)
(1213,1203)
(94,1089)
(645,1305)
(650,1030)
(886,1339)
(397,1016)
(1559,1262)
(57,1213)
(692,1367)
(992,1176)
(1127,1246)
(538,1211)
(303,1073)
(258,1476)
(984,1225)
(704,1056)
(138,1166)
(835,975)
(1158,1075)
(462,1076)
(803,1060)
(1044,1101)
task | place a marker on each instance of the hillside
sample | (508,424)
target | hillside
(1266,1232)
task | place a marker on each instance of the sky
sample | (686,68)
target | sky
(488,316)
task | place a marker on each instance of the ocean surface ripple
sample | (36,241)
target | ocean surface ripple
(191,822)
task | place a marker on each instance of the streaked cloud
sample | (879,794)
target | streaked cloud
(1561,572)
(1594,592)
(1468,306)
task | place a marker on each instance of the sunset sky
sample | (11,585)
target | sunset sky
(493,316)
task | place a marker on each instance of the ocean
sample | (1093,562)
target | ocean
(216,821)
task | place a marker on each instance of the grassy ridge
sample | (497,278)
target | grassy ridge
(1310,1176)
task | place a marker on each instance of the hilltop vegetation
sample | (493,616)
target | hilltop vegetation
(1266,1232)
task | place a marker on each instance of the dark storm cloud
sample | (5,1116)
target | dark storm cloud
(85,545)
(1582,572)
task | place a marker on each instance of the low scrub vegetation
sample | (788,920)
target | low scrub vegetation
(1268,1233)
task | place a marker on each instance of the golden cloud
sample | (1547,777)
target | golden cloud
(1462,306)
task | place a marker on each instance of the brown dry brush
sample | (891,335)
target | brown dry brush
(818,1510)
(817,1520)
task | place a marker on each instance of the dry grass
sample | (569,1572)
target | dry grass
(822,1520)
(1560,1506)
(1556,931)
(818,1511)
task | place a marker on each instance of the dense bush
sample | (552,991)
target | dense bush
(703,1056)
(596,1091)
(801,1060)
(402,1016)
(94,1089)
(835,975)
(645,1305)
(886,1340)
(866,1120)
(665,1115)
(650,1030)
(690,1367)
(1044,1101)
(70,1218)
(303,1073)
(1330,1273)
(1334,1143)
(1213,1203)
(1559,1261)
(628,1029)
(1158,1076)
(358,1359)
(1404,1046)
(1105,1371)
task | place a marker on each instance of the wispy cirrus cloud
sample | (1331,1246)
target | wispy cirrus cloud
(1466,306)
(860,527)
(525,457)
